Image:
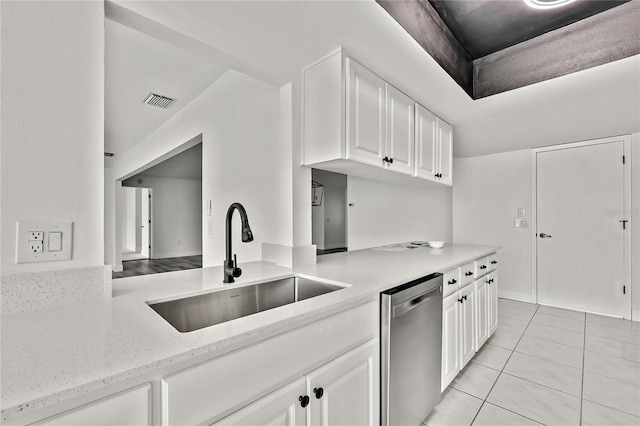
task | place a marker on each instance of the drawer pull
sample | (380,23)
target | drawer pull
(493,262)
(467,274)
(452,282)
(483,267)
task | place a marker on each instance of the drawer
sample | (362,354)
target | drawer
(467,273)
(450,281)
(481,266)
(492,262)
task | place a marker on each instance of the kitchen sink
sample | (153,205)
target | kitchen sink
(196,312)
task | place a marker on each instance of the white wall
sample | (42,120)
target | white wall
(486,195)
(138,225)
(52,124)
(385,213)
(177,214)
(243,161)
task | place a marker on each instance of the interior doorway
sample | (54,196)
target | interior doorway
(136,231)
(582,237)
(329,212)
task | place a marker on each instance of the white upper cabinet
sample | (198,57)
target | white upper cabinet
(426,143)
(357,123)
(400,131)
(366,115)
(434,147)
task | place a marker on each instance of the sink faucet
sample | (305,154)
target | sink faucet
(231,269)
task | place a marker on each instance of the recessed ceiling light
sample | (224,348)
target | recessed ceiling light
(547,4)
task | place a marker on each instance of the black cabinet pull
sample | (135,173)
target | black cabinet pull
(385,159)
(464,297)
(467,274)
(390,160)
(319,392)
(452,282)
(460,300)
(304,401)
(483,267)
(493,262)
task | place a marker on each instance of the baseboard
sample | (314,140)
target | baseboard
(635,315)
(515,295)
(166,255)
(332,246)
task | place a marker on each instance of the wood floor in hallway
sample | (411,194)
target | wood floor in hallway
(156,266)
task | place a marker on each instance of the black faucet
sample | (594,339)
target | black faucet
(231,269)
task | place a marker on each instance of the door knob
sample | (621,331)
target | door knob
(543,235)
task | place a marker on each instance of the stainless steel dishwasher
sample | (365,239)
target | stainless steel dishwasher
(411,350)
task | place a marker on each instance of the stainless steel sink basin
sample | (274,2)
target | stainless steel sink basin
(195,312)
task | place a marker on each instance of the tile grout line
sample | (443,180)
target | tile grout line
(500,373)
(584,350)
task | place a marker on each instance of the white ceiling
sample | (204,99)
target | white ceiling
(273,40)
(137,64)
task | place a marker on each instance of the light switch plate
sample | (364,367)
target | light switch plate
(522,212)
(29,251)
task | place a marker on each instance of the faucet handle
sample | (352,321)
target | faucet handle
(236,271)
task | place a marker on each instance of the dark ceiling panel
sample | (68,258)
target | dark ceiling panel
(487,26)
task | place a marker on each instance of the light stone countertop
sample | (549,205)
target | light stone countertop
(53,355)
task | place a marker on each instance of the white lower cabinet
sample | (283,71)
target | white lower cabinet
(282,407)
(468,322)
(482,325)
(469,316)
(492,301)
(450,340)
(131,407)
(342,392)
(345,391)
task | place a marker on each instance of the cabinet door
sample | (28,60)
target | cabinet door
(349,389)
(492,297)
(467,324)
(281,407)
(482,315)
(445,155)
(365,115)
(400,131)
(426,143)
(450,339)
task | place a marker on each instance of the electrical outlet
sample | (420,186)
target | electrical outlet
(35,246)
(40,241)
(520,223)
(35,236)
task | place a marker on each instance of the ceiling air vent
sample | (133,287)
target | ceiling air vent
(158,100)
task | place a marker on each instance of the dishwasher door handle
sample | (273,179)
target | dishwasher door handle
(406,307)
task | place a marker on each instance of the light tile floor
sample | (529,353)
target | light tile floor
(550,366)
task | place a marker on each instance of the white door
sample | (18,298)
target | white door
(450,340)
(282,407)
(426,143)
(467,324)
(365,115)
(482,313)
(145,208)
(400,131)
(580,240)
(346,392)
(445,156)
